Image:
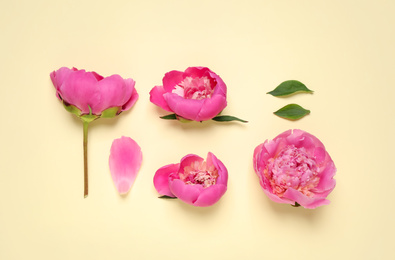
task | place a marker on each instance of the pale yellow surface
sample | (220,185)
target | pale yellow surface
(343,50)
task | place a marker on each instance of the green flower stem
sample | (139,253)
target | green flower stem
(85,144)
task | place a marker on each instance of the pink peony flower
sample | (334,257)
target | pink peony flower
(91,93)
(295,168)
(125,161)
(90,96)
(197,94)
(193,180)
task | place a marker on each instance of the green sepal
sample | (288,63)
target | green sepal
(289,87)
(166,197)
(170,117)
(72,109)
(292,112)
(110,112)
(227,119)
(88,118)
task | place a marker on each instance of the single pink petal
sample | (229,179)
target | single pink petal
(210,195)
(113,93)
(327,183)
(303,200)
(195,72)
(161,179)
(171,79)
(212,107)
(125,161)
(222,171)
(186,193)
(58,77)
(186,108)
(156,97)
(79,89)
(188,159)
(133,98)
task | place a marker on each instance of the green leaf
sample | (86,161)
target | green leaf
(110,112)
(296,205)
(289,87)
(72,109)
(228,118)
(170,117)
(167,197)
(292,112)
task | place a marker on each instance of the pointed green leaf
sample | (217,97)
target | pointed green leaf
(292,112)
(170,117)
(296,205)
(167,197)
(72,109)
(110,112)
(289,87)
(228,118)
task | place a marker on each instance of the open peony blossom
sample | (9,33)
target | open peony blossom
(193,180)
(295,168)
(197,94)
(90,96)
(125,161)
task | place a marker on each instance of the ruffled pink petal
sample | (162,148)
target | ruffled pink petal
(125,161)
(79,89)
(212,107)
(131,101)
(277,199)
(188,159)
(156,97)
(186,108)
(303,200)
(161,179)
(186,193)
(210,195)
(222,171)
(171,79)
(257,159)
(327,183)
(58,77)
(198,72)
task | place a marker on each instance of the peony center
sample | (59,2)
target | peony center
(292,168)
(195,88)
(198,173)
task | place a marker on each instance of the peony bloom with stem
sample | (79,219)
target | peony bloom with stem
(125,161)
(295,168)
(90,96)
(196,94)
(194,180)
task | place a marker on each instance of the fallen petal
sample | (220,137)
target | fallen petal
(125,161)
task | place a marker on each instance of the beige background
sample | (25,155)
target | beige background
(343,50)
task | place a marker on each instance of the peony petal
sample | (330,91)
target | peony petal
(222,171)
(125,161)
(79,89)
(171,79)
(186,193)
(303,200)
(195,72)
(161,179)
(131,101)
(210,195)
(188,159)
(113,93)
(156,97)
(326,178)
(211,107)
(186,108)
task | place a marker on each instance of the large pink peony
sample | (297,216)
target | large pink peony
(193,180)
(197,94)
(295,168)
(90,96)
(90,92)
